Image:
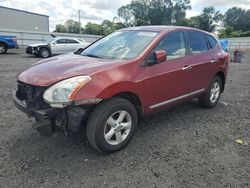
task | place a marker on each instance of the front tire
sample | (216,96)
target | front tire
(111,125)
(44,53)
(3,48)
(211,98)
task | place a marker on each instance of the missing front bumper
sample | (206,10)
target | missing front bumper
(49,120)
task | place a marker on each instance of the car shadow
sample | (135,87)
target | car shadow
(35,57)
(10,53)
(37,155)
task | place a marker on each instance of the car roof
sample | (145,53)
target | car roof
(161,28)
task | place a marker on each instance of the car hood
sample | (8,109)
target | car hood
(38,44)
(52,70)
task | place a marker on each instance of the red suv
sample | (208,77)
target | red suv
(120,78)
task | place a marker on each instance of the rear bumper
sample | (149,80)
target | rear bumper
(12,46)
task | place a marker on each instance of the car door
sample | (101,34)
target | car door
(72,45)
(59,46)
(166,82)
(201,61)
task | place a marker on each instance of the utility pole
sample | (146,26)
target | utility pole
(79,16)
(173,20)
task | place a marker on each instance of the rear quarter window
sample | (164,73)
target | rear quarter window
(212,41)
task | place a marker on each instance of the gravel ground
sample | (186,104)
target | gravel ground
(185,146)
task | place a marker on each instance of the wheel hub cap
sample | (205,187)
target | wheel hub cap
(215,92)
(117,127)
(2,48)
(45,53)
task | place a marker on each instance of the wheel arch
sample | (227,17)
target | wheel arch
(221,75)
(133,98)
(3,42)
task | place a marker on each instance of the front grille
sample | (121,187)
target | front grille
(32,95)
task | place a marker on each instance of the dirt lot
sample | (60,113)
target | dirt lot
(185,146)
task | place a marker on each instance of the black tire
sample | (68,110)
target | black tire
(44,53)
(97,122)
(205,99)
(3,49)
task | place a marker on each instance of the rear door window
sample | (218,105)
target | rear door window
(197,42)
(71,41)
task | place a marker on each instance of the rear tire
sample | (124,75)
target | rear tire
(3,48)
(211,98)
(111,125)
(44,53)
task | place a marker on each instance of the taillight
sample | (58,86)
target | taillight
(14,40)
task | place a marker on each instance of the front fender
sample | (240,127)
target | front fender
(90,91)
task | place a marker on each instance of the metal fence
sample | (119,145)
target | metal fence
(241,44)
(25,38)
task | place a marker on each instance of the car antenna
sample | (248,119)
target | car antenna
(53,35)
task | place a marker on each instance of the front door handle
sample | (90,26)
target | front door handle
(187,67)
(213,61)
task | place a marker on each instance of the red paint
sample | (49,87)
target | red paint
(152,84)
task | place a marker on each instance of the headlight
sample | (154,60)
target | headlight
(63,92)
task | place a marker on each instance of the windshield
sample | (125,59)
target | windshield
(50,40)
(120,45)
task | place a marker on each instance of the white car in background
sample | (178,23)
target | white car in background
(58,45)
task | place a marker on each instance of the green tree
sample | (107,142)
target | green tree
(111,26)
(153,12)
(207,20)
(60,28)
(238,18)
(94,29)
(72,26)
(224,33)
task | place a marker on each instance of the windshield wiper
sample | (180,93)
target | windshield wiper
(92,55)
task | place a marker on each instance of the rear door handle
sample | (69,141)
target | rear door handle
(187,67)
(213,61)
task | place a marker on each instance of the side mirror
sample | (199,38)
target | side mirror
(160,56)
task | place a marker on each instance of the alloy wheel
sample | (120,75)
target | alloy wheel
(215,92)
(2,49)
(117,127)
(45,53)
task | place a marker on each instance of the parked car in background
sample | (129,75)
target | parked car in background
(60,45)
(7,42)
(120,78)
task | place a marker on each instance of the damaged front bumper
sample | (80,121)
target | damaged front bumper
(32,50)
(50,120)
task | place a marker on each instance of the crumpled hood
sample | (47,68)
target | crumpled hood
(52,70)
(38,44)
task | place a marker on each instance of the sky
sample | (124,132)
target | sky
(96,11)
